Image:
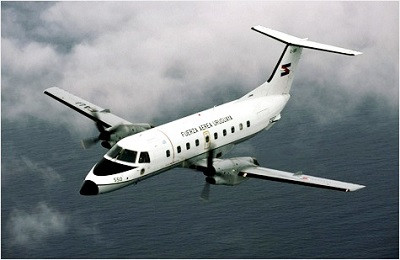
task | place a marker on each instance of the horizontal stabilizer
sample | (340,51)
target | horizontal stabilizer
(298,178)
(292,40)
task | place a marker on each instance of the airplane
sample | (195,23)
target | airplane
(138,151)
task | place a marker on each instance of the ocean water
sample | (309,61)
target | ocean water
(43,215)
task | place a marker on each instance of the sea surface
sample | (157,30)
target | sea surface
(43,215)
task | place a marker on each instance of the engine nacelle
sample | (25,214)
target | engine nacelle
(227,170)
(122,131)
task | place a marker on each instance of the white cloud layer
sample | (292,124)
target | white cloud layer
(21,166)
(30,228)
(146,60)
(45,172)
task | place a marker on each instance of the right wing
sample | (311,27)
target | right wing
(102,116)
(297,178)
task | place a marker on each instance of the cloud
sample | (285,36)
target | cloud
(18,165)
(151,61)
(35,227)
(30,228)
(46,172)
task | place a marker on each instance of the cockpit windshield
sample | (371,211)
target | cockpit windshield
(121,154)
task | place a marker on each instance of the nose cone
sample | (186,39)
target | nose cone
(89,188)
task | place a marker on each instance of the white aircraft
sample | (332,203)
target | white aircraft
(199,141)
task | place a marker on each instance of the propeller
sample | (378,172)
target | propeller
(205,193)
(210,171)
(107,134)
(104,133)
(89,142)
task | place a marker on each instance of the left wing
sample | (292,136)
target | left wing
(112,128)
(297,178)
(84,107)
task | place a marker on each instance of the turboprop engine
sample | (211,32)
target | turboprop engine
(226,171)
(223,171)
(110,136)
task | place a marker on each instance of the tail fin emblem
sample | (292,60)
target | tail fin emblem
(285,69)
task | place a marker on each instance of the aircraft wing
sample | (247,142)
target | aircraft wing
(297,178)
(96,113)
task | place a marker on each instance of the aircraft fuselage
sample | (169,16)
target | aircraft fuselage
(187,140)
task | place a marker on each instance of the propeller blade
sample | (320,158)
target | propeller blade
(210,159)
(210,169)
(103,136)
(99,125)
(205,193)
(114,129)
(89,142)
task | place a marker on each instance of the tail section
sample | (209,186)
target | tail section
(281,78)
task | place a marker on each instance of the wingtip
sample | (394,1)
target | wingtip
(47,90)
(356,187)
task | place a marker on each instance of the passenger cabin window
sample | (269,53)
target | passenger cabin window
(207,139)
(178,149)
(187,146)
(240,126)
(224,132)
(197,142)
(215,136)
(144,157)
(168,153)
(248,123)
(232,129)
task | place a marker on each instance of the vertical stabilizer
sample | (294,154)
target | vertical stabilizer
(280,81)
(281,78)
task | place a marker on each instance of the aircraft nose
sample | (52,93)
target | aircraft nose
(89,188)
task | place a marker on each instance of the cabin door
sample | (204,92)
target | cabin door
(207,140)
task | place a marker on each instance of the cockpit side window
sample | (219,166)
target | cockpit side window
(122,154)
(128,156)
(144,157)
(114,152)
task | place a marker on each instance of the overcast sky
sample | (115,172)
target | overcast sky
(145,60)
